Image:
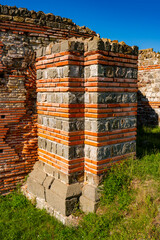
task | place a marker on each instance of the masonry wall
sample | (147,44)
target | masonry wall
(148,86)
(21,33)
(87,107)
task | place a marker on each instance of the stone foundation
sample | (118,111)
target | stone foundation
(46,187)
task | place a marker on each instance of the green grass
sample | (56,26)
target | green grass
(129,206)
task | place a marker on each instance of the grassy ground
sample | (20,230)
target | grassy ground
(129,207)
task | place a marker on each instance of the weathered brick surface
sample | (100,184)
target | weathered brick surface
(21,33)
(148,86)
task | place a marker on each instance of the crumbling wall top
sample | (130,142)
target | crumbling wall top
(148,57)
(23,15)
(90,44)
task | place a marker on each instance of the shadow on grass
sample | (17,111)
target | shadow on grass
(148,141)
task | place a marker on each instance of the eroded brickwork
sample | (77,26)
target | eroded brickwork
(149,85)
(21,33)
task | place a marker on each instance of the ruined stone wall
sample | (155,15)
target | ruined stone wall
(149,87)
(21,33)
(87,106)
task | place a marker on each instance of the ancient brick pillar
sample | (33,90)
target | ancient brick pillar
(110,112)
(86,101)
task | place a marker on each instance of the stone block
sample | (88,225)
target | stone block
(74,71)
(49,48)
(39,165)
(68,46)
(87,151)
(51,122)
(39,142)
(38,175)
(58,98)
(133,97)
(48,182)
(115,124)
(101,127)
(49,98)
(93,153)
(39,52)
(71,152)
(39,96)
(100,153)
(91,192)
(66,191)
(109,71)
(56,48)
(87,205)
(116,150)
(114,47)
(59,149)
(58,124)
(79,46)
(95,44)
(79,125)
(44,97)
(129,73)
(65,125)
(107,152)
(5,18)
(52,73)
(107,46)
(65,152)
(39,74)
(107,125)
(97,71)
(61,205)
(64,177)
(54,147)
(87,125)
(49,146)
(72,98)
(87,72)
(60,72)
(125,98)
(66,71)
(35,188)
(53,98)
(49,170)
(79,151)
(94,126)
(121,48)
(65,98)
(18,19)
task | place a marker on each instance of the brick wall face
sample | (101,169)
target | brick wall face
(87,106)
(21,33)
(148,86)
(87,103)
(60,105)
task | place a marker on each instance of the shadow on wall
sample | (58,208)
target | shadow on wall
(146,115)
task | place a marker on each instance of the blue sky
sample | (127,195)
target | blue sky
(134,22)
